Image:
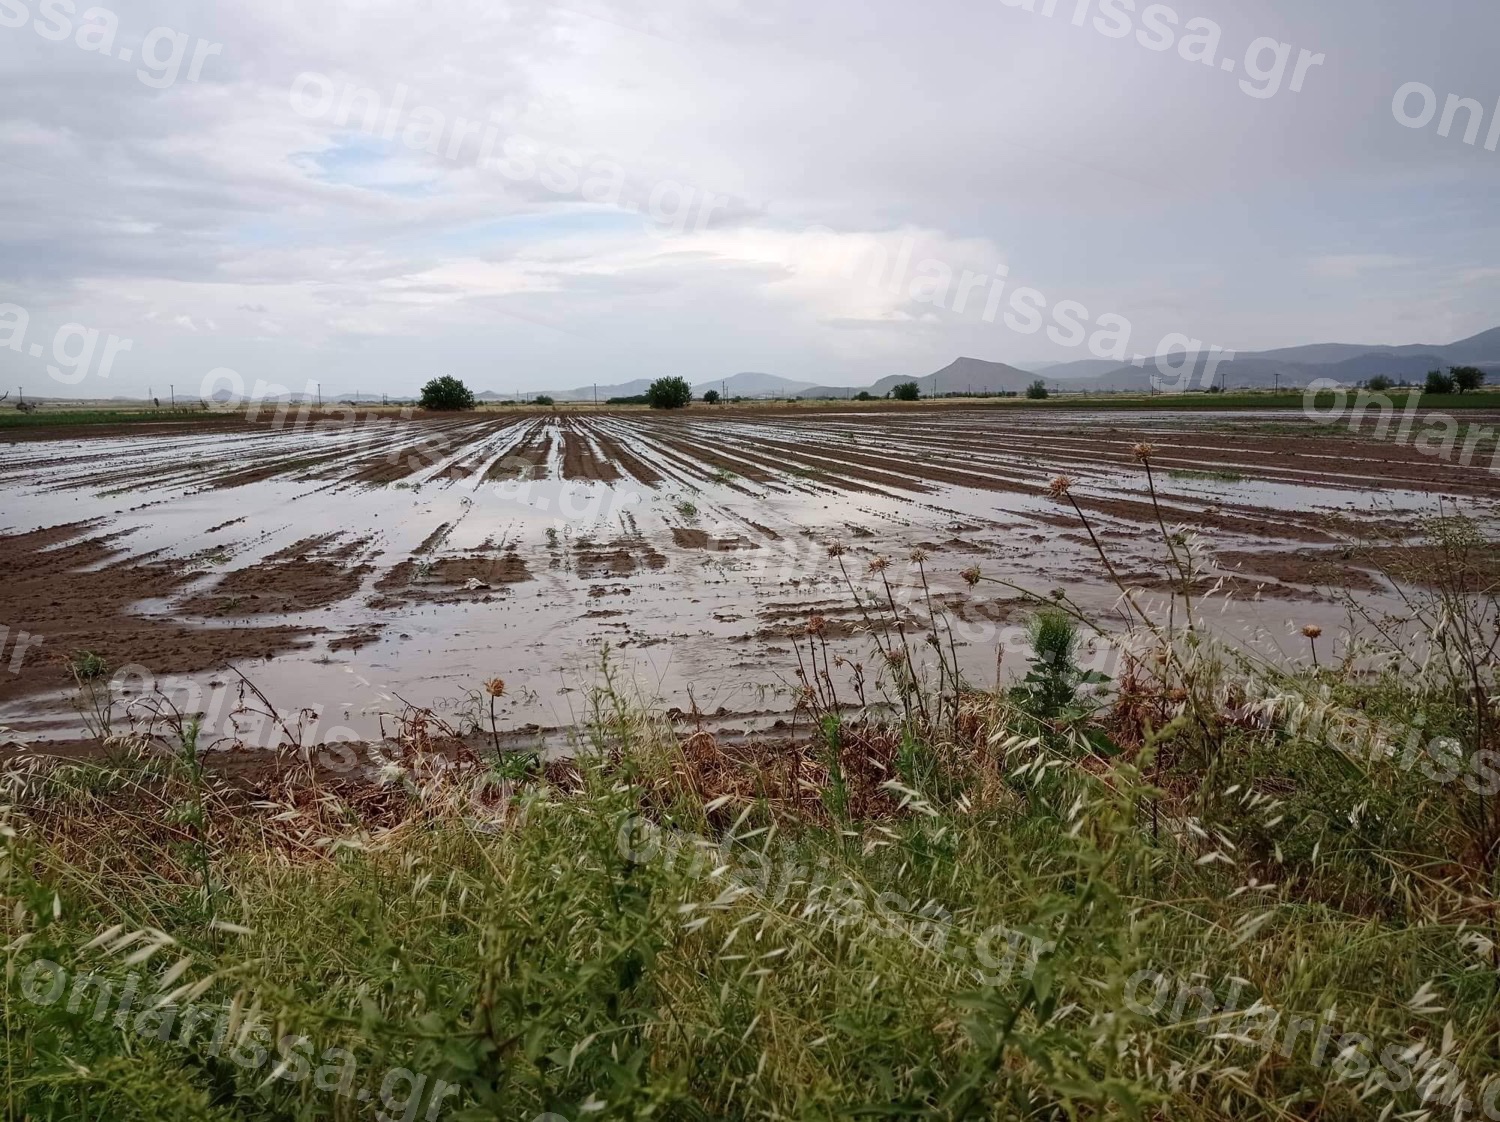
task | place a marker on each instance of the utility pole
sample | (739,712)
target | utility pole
(171,389)
(596,393)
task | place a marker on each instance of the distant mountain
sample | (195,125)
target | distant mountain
(749,384)
(1477,350)
(1289,367)
(745,384)
(1083,368)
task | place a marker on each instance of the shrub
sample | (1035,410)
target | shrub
(1380,383)
(446,392)
(1438,382)
(1466,378)
(1037,390)
(711,397)
(864,395)
(669,393)
(907,391)
(542,399)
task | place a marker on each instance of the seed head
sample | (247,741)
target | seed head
(495,687)
(817,625)
(971,575)
(918,556)
(1312,631)
(836,549)
(879,565)
(1059,486)
(1144,451)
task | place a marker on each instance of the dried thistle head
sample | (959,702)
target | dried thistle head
(1059,486)
(879,565)
(971,575)
(495,687)
(1312,631)
(836,549)
(817,625)
(1143,452)
(918,556)
(895,657)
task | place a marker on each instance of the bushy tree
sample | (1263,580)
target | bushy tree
(669,393)
(907,391)
(1380,383)
(864,395)
(711,397)
(1466,378)
(1037,390)
(1438,382)
(446,392)
(542,399)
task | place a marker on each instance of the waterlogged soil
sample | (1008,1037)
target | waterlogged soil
(350,569)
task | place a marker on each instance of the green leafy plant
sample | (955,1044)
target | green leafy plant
(669,393)
(1466,379)
(446,393)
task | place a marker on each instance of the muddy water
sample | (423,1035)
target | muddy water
(421,559)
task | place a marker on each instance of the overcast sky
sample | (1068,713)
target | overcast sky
(220,211)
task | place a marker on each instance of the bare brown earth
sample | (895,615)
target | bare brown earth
(314,573)
(73,586)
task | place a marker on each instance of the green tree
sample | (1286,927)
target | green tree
(542,399)
(1466,379)
(907,391)
(864,395)
(711,397)
(669,393)
(1380,383)
(1037,390)
(447,392)
(1438,382)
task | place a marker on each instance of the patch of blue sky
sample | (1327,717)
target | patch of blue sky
(370,163)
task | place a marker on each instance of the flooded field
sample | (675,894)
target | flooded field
(348,569)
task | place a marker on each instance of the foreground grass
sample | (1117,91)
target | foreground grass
(987,951)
